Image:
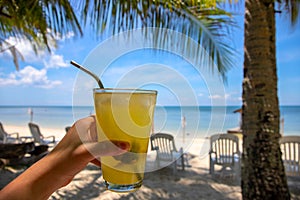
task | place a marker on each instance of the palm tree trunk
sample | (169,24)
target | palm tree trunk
(263,175)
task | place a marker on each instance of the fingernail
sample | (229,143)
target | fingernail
(122,145)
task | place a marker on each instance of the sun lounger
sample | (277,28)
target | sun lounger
(224,151)
(290,148)
(166,151)
(38,136)
(8,137)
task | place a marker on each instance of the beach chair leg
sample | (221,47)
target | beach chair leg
(182,158)
(157,163)
(211,167)
(175,167)
(182,162)
(237,170)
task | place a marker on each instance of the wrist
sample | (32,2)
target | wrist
(37,182)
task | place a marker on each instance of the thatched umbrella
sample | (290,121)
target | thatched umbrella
(238,110)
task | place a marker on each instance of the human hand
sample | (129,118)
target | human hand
(80,146)
(77,148)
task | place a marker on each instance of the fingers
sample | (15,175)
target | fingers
(107,148)
(86,129)
(96,162)
(92,133)
(89,148)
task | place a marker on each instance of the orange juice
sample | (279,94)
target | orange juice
(125,115)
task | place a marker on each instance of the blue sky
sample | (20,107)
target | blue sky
(49,79)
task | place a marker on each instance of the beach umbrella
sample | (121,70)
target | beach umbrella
(282,126)
(183,125)
(238,110)
(30,112)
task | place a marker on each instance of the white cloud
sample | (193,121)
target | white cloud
(50,60)
(24,46)
(215,97)
(56,61)
(68,35)
(29,76)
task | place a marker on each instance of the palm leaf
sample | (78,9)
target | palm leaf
(4,46)
(291,8)
(37,20)
(200,20)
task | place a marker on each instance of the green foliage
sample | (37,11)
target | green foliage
(36,20)
(290,8)
(41,20)
(200,20)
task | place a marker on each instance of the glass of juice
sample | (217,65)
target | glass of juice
(124,115)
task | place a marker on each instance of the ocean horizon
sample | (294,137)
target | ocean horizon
(190,121)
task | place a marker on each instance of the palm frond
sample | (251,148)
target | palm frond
(4,46)
(290,8)
(200,20)
(32,19)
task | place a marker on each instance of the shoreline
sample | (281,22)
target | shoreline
(191,145)
(200,123)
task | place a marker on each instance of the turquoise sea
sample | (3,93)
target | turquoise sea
(199,121)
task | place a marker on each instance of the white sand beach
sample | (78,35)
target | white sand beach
(193,183)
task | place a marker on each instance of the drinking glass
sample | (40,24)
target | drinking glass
(124,115)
